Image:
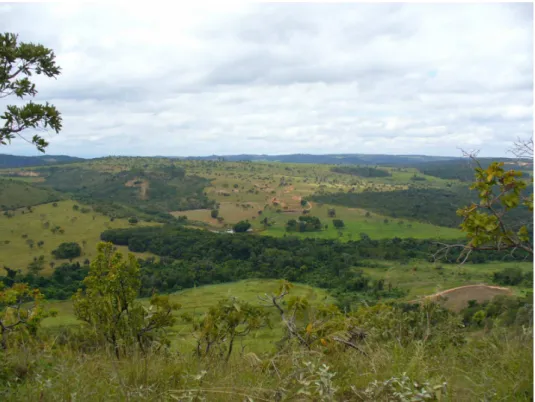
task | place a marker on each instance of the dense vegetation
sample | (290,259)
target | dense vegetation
(192,258)
(362,171)
(304,224)
(420,349)
(456,169)
(152,194)
(431,205)
(67,250)
(427,205)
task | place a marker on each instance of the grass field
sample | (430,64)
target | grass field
(420,278)
(17,193)
(25,226)
(197,301)
(356,221)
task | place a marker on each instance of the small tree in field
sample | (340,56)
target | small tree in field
(338,223)
(242,226)
(331,212)
(214,213)
(67,250)
(225,322)
(109,304)
(37,265)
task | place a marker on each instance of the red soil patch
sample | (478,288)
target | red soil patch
(143,186)
(457,299)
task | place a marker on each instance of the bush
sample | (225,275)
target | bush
(214,213)
(512,276)
(338,223)
(242,226)
(67,250)
(133,220)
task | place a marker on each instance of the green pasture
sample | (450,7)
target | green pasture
(17,231)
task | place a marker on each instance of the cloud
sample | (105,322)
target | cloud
(283,78)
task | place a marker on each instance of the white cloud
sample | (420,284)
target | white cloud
(284,78)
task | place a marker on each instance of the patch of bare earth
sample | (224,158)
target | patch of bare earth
(143,186)
(457,299)
(25,173)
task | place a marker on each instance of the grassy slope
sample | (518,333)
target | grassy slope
(15,193)
(198,300)
(421,278)
(78,227)
(356,222)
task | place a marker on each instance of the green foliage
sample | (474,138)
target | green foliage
(231,319)
(435,206)
(404,389)
(501,310)
(513,276)
(133,220)
(18,61)
(37,265)
(338,223)
(214,213)
(361,171)
(67,250)
(304,224)
(487,224)
(160,191)
(60,285)
(109,304)
(21,313)
(241,227)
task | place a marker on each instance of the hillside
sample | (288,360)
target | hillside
(16,193)
(23,229)
(14,161)
(146,193)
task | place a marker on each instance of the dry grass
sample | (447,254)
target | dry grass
(457,299)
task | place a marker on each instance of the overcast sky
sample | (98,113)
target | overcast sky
(283,78)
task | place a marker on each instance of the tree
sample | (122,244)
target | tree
(224,323)
(133,220)
(18,61)
(338,223)
(67,250)
(36,265)
(488,225)
(21,311)
(331,212)
(214,213)
(242,226)
(109,304)
(491,224)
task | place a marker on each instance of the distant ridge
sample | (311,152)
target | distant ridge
(14,161)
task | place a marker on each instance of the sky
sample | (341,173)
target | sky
(199,79)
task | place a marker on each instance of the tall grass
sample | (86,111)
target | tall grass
(492,366)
